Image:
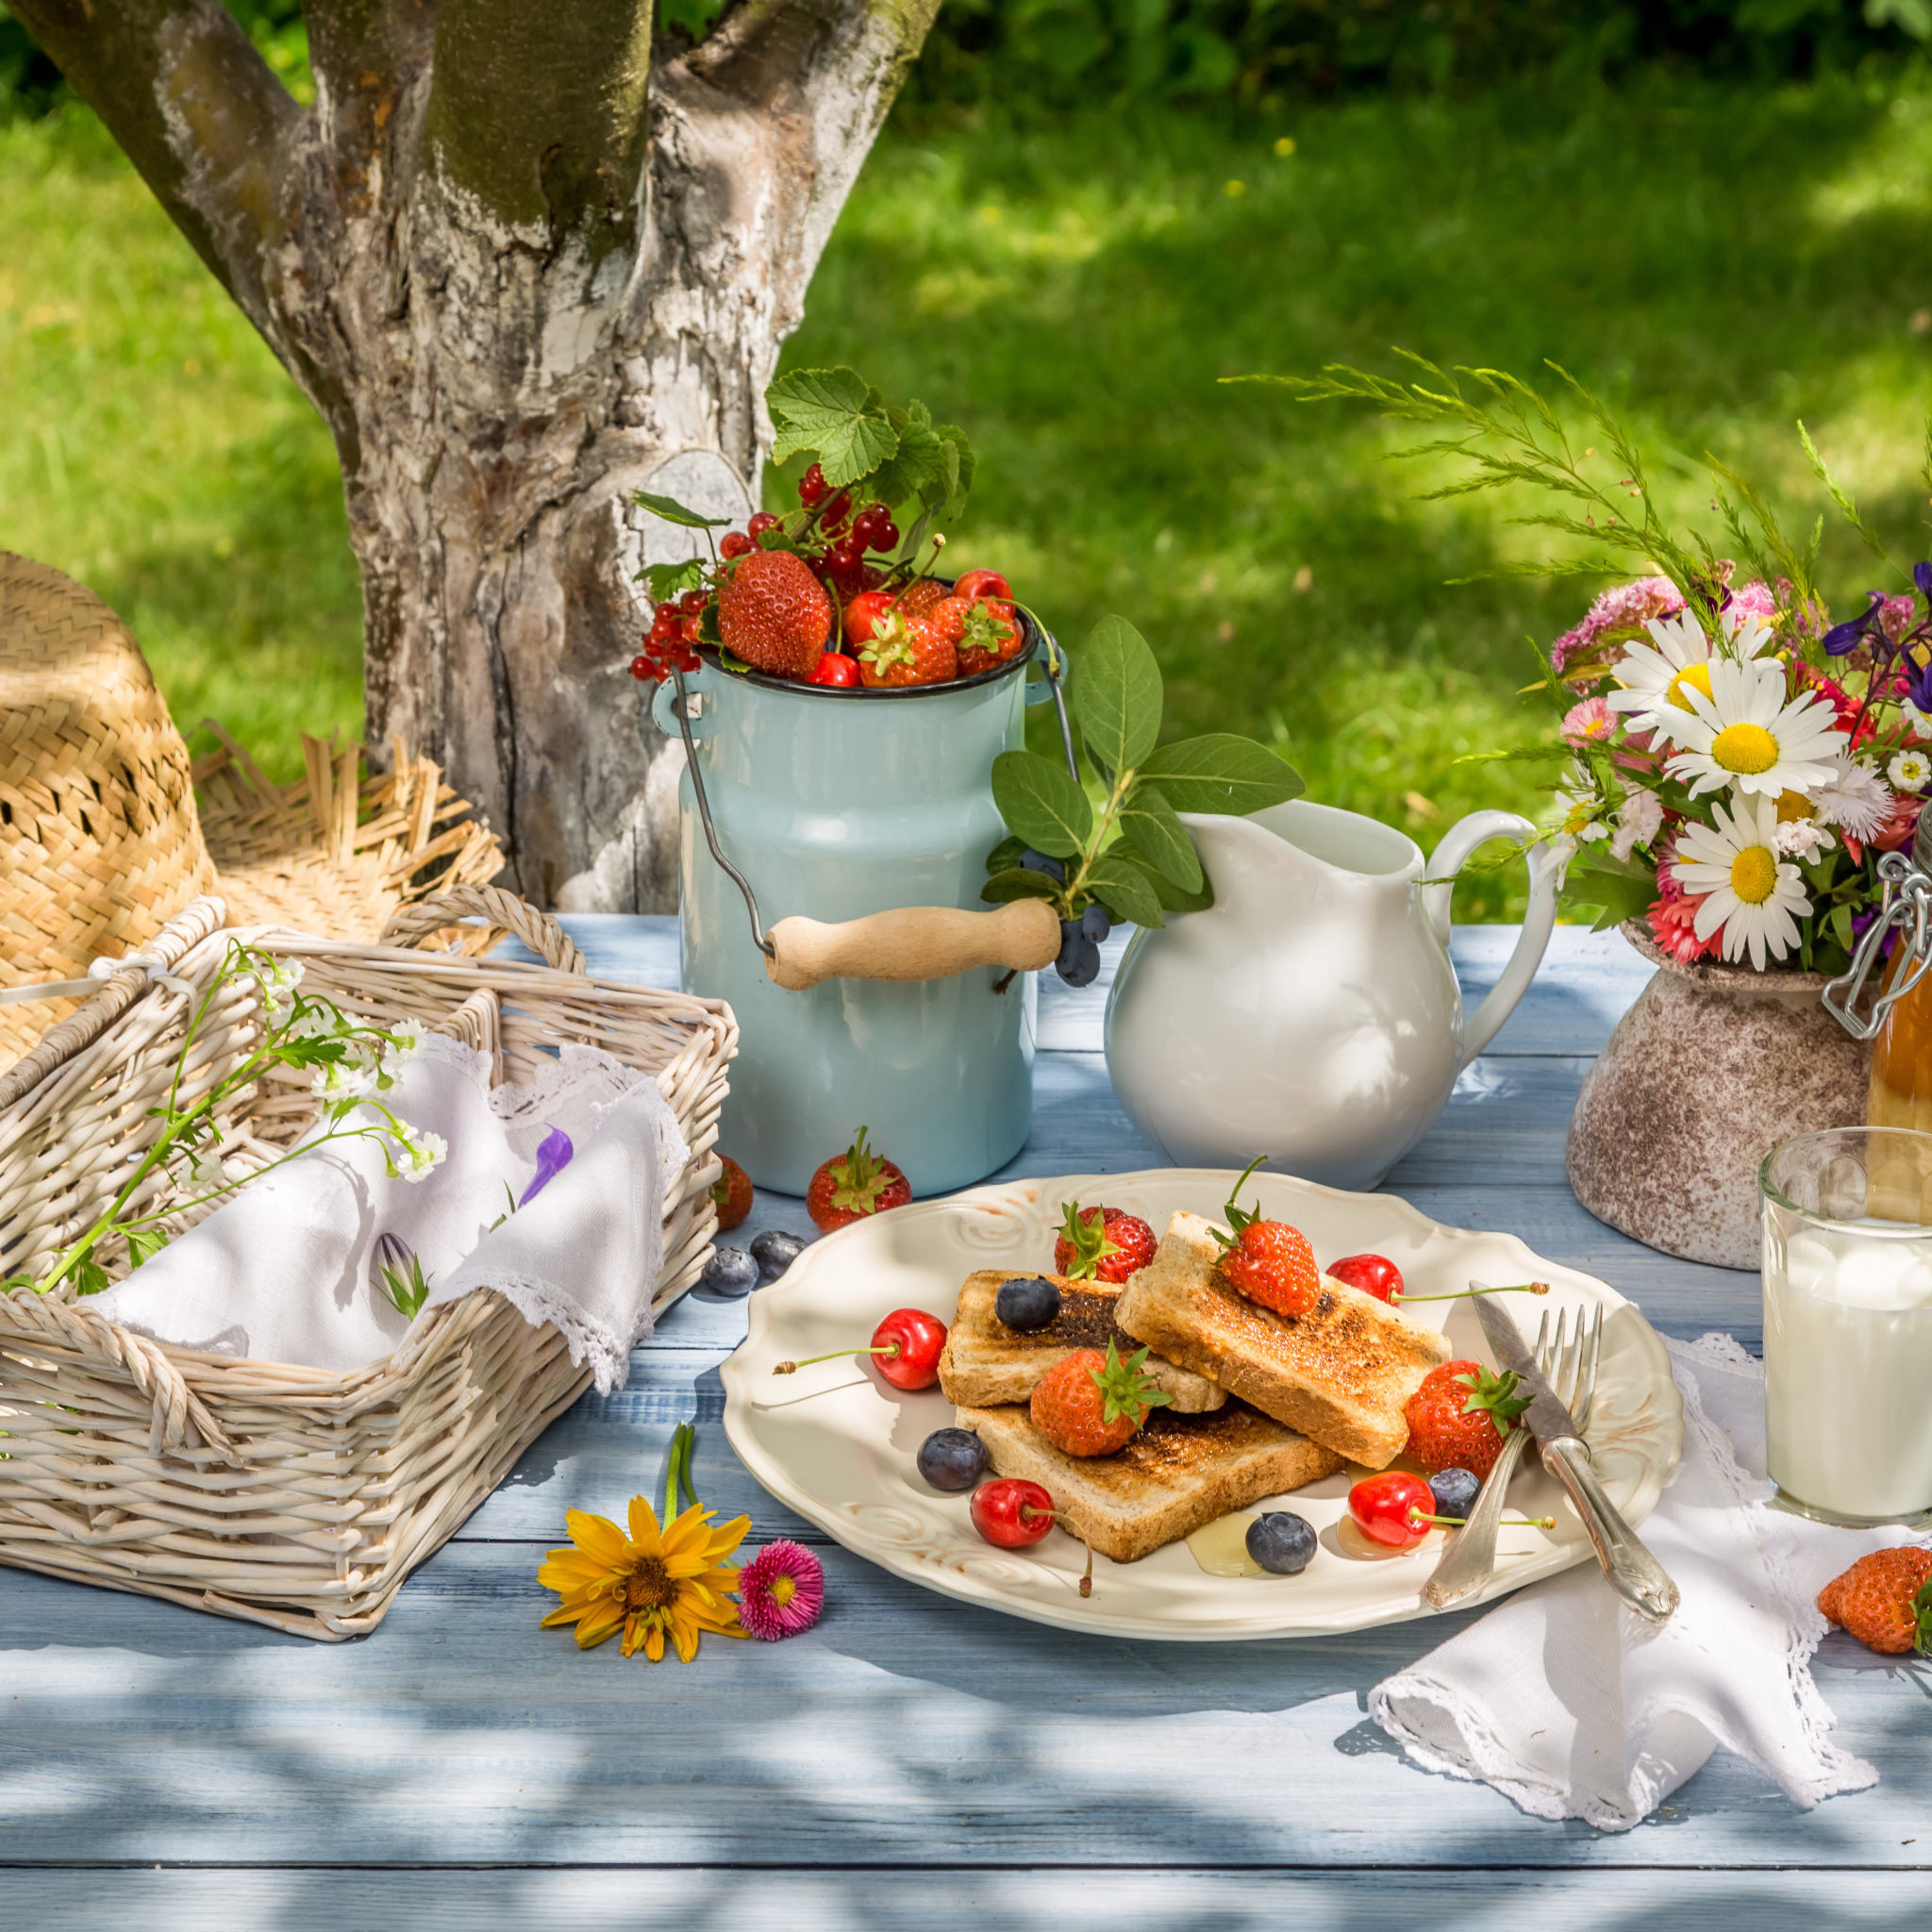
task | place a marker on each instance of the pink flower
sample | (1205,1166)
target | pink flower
(1624,607)
(1589,723)
(780,1592)
(1753,600)
(1895,617)
(1673,925)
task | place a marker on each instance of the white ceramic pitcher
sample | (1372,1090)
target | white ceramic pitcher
(1311,1014)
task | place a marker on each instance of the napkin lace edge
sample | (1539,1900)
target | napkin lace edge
(538,1301)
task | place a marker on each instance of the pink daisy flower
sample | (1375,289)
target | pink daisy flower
(780,1592)
(1590,722)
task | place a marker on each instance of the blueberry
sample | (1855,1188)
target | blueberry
(1455,1491)
(952,1459)
(729,1273)
(774,1251)
(1079,959)
(1096,923)
(1281,1541)
(1038,862)
(1027,1304)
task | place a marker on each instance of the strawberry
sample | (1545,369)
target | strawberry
(1885,1600)
(774,614)
(1460,1416)
(921,595)
(991,636)
(858,1182)
(1272,1264)
(731,1190)
(1090,1403)
(908,650)
(1101,1243)
(863,613)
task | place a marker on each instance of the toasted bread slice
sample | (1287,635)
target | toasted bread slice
(1180,1471)
(1340,1374)
(985,1362)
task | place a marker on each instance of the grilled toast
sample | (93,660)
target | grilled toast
(985,1362)
(1340,1374)
(1178,1473)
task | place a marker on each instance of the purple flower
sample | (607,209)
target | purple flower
(1922,576)
(1862,922)
(553,1157)
(1846,636)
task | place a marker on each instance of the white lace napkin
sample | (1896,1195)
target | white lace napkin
(1574,1706)
(281,1272)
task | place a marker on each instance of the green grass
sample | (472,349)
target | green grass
(1718,264)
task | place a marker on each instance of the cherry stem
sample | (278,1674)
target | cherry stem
(1027,1510)
(1502,1523)
(890,1350)
(1462,1294)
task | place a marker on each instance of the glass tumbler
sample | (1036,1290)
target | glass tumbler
(1848,1325)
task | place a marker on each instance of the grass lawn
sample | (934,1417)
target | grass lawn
(1717,263)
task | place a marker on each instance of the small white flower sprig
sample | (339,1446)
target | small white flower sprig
(353,1065)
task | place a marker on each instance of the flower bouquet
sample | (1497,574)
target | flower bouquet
(1739,763)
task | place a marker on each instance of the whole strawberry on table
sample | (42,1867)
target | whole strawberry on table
(840,593)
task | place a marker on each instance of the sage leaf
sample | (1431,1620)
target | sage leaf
(1041,802)
(1125,889)
(1222,772)
(675,512)
(1018,883)
(1150,826)
(833,413)
(1117,695)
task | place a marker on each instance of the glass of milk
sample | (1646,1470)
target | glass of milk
(1848,1323)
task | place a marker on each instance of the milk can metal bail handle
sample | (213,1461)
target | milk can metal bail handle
(1908,897)
(697,785)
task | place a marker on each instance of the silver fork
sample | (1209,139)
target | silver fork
(1568,1364)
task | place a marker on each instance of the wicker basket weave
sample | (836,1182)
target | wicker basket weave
(285,1495)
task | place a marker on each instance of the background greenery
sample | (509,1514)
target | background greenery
(1724,226)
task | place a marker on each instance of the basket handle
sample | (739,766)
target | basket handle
(175,1409)
(409,926)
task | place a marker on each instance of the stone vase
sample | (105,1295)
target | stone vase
(1709,1069)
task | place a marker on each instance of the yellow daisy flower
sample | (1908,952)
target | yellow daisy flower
(647,1582)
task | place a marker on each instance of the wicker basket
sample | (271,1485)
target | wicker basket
(281,1494)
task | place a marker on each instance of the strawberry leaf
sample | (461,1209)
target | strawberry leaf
(1496,1393)
(1117,694)
(1041,802)
(1922,1618)
(1149,824)
(1088,1240)
(834,414)
(1125,1390)
(1222,772)
(675,512)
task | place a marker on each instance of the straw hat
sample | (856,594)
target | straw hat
(102,840)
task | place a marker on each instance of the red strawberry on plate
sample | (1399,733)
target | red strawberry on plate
(1268,1262)
(1101,1243)
(858,1182)
(774,614)
(1090,1403)
(1885,1600)
(1458,1418)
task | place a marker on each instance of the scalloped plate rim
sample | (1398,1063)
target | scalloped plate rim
(768,1305)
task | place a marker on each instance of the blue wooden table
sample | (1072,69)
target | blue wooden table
(911,1761)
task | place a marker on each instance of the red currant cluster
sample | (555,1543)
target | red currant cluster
(743,543)
(849,536)
(670,644)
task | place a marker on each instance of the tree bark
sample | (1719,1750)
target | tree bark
(525,261)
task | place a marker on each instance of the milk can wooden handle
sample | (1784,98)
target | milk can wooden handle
(915,942)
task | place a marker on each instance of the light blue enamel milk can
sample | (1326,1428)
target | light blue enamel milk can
(832,848)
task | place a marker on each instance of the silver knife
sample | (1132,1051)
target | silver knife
(1635,1576)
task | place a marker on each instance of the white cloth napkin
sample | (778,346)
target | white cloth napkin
(1574,1706)
(281,1271)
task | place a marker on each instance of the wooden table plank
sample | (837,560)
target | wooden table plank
(907,1729)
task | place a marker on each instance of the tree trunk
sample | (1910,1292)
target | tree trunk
(524,263)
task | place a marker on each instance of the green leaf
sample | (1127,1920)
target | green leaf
(1621,889)
(1173,898)
(1041,802)
(833,413)
(1017,882)
(918,463)
(1222,772)
(1117,694)
(88,1276)
(1006,855)
(1149,826)
(668,581)
(143,1243)
(675,512)
(958,463)
(1125,889)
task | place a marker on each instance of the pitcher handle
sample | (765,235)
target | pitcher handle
(1545,876)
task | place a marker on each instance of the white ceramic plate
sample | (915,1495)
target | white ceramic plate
(836,1442)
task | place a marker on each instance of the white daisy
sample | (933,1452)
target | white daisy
(1909,770)
(1751,895)
(1579,816)
(1854,797)
(1637,823)
(1657,676)
(1917,722)
(1748,734)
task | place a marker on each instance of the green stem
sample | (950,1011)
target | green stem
(1123,783)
